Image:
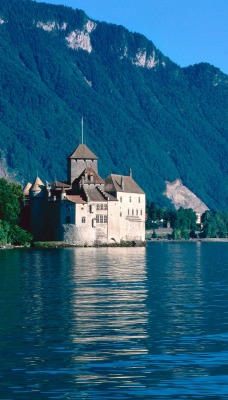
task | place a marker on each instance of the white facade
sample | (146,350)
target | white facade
(132,216)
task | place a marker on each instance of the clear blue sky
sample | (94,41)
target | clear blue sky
(187,31)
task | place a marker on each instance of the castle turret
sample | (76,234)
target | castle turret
(38,206)
(79,160)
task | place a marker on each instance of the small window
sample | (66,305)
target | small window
(67,219)
(130,199)
(102,206)
(105,219)
(137,212)
(121,199)
(139,199)
(83,220)
(101,219)
(97,218)
(98,206)
(132,212)
(105,206)
(128,212)
(120,213)
(140,212)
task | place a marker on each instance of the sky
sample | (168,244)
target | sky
(187,31)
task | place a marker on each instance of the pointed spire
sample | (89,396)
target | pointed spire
(130,172)
(27,188)
(37,185)
(82,130)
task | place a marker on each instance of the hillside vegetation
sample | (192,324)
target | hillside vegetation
(140,109)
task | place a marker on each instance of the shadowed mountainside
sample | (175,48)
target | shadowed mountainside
(140,109)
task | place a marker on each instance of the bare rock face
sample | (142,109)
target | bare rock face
(181,196)
(4,170)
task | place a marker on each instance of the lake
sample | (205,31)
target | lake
(115,323)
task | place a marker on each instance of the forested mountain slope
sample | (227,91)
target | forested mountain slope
(140,109)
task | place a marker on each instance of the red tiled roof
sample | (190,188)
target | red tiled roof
(83,152)
(120,183)
(90,177)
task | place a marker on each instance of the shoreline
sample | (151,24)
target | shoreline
(61,245)
(225,240)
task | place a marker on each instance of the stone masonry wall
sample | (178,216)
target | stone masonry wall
(76,167)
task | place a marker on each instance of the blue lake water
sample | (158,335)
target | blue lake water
(115,323)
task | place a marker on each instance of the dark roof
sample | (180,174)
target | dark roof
(83,152)
(96,194)
(120,183)
(75,199)
(89,176)
(58,184)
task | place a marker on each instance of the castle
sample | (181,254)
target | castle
(86,210)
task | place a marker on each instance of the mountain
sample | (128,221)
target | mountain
(140,109)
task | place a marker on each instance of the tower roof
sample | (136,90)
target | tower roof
(83,152)
(37,185)
(27,188)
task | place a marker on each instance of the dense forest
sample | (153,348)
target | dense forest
(140,109)
(11,210)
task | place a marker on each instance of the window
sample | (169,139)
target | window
(102,206)
(101,219)
(120,213)
(130,199)
(98,206)
(121,199)
(105,206)
(132,212)
(137,213)
(128,212)
(83,220)
(141,212)
(139,199)
(67,219)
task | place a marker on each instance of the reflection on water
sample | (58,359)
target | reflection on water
(117,323)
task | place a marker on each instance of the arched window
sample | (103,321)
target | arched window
(83,220)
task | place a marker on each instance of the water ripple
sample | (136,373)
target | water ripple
(115,323)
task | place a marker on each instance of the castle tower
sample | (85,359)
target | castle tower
(79,160)
(38,203)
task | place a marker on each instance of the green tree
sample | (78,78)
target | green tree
(183,222)
(11,200)
(215,224)
(11,197)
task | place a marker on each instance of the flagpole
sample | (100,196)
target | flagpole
(82,130)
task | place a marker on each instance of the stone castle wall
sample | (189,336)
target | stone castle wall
(76,167)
